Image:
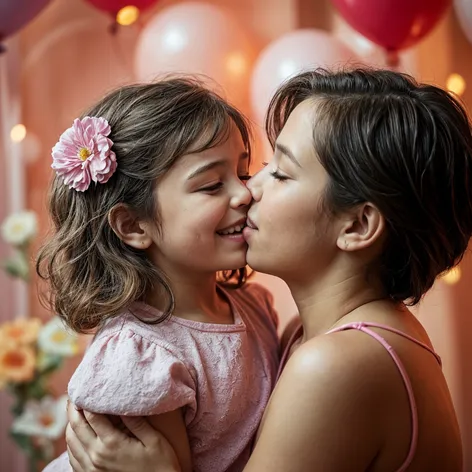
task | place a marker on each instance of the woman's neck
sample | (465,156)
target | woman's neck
(328,301)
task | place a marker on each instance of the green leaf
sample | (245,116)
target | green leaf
(17,266)
(48,363)
(37,391)
(23,441)
(12,268)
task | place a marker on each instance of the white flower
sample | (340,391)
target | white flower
(46,445)
(47,417)
(19,228)
(55,339)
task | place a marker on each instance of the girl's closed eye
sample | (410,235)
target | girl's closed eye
(212,188)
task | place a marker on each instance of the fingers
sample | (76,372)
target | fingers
(141,428)
(78,457)
(104,429)
(78,423)
(76,467)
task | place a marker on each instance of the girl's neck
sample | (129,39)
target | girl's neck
(197,298)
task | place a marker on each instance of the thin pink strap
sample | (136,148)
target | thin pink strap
(364,327)
(295,335)
(360,325)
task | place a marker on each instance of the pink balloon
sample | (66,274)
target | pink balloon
(197,38)
(14,14)
(289,55)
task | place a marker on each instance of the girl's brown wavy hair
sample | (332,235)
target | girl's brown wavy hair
(92,275)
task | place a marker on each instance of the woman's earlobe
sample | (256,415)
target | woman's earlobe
(363,227)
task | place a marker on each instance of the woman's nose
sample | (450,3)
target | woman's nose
(254,185)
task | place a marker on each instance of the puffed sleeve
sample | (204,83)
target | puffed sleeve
(265,300)
(123,373)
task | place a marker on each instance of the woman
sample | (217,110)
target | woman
(368,198)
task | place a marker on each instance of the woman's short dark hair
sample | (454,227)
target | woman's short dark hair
(403,146)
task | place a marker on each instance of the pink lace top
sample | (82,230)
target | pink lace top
(220,375)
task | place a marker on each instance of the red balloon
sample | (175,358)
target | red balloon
(393,24)
(114,6)
(14,14)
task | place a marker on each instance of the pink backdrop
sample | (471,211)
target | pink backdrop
(65,59)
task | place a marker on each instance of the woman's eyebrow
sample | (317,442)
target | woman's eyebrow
(286,152)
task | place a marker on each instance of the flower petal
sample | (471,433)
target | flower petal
(89,133)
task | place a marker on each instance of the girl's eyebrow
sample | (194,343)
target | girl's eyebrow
(206,167)
(211,165)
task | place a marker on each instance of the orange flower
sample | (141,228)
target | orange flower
(20,331)
(17,362)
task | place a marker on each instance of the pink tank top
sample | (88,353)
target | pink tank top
(365,328)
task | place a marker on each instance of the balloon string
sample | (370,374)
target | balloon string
(392,59)
(113,28)
(119,51)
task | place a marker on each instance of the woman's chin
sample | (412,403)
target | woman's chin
(259,262)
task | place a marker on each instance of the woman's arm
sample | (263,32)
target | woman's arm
(94,443)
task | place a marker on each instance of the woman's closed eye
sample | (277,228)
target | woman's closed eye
(278,176)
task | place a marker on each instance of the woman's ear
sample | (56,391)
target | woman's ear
(131,230)
(361,228)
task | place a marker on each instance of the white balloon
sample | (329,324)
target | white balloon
(463,10)
(369,53)
(197,38)
(290,54)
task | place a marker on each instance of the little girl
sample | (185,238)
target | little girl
(148,204)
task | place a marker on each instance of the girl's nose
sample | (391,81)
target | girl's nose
(242,196)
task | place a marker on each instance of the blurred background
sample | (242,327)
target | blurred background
(59,56)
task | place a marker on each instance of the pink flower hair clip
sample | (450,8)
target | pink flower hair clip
(83,153)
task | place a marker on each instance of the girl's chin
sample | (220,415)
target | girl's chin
(236,263)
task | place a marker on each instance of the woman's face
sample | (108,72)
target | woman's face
(289,234)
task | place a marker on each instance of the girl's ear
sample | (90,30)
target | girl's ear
(131,230)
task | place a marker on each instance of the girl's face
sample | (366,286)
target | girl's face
(288,233)
(203,202)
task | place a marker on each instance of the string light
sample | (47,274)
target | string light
(18,133)
(236,64)
(456,84)
(127,15)
(453,276)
